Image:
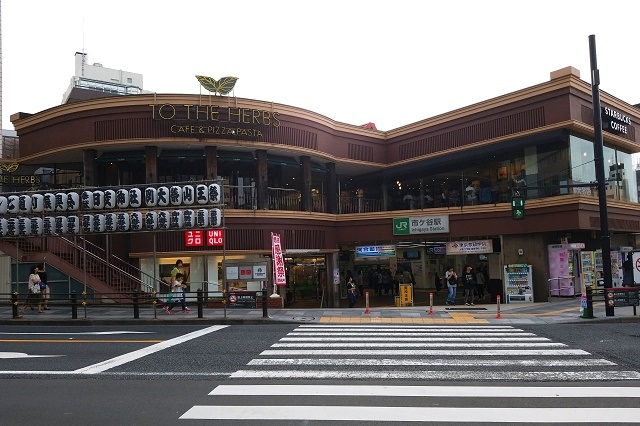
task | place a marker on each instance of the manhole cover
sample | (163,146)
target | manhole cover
(304,318)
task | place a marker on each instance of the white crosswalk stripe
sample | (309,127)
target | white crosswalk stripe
(363,354)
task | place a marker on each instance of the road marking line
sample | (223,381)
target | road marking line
(421,334)
(441,375)
(98,333)
(414,414)
(457,319)
(408,327)
(132,356)
(22,355)
(443,361)
(427,352)
(413,339)
(71,340)
(417,345)
(436,391)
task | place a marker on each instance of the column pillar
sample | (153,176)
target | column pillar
(262,180)
(211,158)
(90,167)
(332,188)
(305,172)
(151,164)
(385,197)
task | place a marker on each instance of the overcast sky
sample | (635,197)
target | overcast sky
(387,62)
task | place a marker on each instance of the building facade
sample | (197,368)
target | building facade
(339,194)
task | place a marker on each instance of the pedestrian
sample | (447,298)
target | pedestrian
(178,294)
(34,297)
(44,287)
(351,292)
(481,282)
(387,282)
(470,283)
(437,281)
(379,278)
(178,268)
(452,285)
(360,281)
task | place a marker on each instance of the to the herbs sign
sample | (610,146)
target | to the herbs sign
(421,225)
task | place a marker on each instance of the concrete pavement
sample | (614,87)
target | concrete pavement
(557,310)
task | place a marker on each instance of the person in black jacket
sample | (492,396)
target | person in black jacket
(470,282)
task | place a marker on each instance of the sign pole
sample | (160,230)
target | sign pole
(599,164)
(431,303)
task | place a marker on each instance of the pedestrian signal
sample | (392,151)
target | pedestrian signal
(517,207)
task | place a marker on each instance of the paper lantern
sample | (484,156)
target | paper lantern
(164,220)
(62,202)
(214,193)
(73,201)
(36,226)
(177,219)
(110,222)
(37,203)
(3,205)
(24,226)
(188,195)
(3,227)
(215,218)
(24,204)
(135,221)
(12,227)
(87,223)
(13,203)
(61,225)
(73,225)
(151,220)
(189,218)
(163,196)
(202,194)
(150,197)
(202,218)
(135,198)
(109,199)
(48,225)
(122,222)
(98,200)
(175,195)
(86,200)
(122,198)
(98,223)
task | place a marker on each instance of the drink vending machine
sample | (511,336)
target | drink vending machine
(565,269)
(518,283)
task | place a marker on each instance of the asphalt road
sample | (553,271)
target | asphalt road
(280,374)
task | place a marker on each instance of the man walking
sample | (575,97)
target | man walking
(470,282)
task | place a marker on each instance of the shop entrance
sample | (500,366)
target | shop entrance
(306,281)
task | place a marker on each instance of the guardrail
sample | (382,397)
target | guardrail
(135,300)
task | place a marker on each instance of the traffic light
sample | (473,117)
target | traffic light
(517,207)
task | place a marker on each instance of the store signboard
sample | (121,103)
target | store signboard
(260,272)
(470,247)
(436,224)
(245,272)
(279,271)
(375,251)
(193,238)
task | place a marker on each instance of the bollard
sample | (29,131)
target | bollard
(200,302)
(366,298)
(589,303)
(136,305)
(224,302)
(498,307)
(430,303)
(265,314)
(14,305)
(74,305)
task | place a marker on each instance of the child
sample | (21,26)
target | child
(178,292)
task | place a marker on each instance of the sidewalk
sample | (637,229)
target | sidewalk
(557,310)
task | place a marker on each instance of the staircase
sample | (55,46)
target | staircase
(111,278)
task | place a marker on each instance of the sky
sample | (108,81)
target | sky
(387,62)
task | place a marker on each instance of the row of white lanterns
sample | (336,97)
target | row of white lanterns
(110,222)
(163,196)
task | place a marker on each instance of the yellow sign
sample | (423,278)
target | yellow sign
(406,295)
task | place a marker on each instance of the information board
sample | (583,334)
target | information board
(622,296)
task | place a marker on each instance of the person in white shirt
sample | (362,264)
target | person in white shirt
(177,294)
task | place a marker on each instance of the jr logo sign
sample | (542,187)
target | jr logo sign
(401,226)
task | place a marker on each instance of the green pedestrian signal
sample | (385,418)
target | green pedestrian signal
(517,207)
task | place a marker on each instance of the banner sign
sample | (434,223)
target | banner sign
(421,225)
(375,251)
(470,247)
(279,271)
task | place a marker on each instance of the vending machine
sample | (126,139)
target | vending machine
(565,269)
(518,283)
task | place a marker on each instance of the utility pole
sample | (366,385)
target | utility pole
(599,164)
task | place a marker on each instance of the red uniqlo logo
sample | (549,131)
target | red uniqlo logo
(193,238)
(215,238)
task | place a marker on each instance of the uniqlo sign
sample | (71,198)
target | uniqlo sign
(215,237)
(193,238)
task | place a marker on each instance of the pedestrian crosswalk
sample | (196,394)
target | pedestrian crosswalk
(462,357)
